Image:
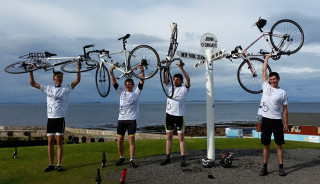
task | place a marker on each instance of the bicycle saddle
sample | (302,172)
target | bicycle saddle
(48,54)
(124,37)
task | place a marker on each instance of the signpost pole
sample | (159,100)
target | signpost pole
(208,43)
(210,107)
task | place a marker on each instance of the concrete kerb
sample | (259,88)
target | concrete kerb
(31,133)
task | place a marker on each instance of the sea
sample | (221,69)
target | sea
(105,115)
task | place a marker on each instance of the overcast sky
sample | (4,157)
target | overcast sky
(63,27)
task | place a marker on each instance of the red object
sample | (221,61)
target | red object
(123,176)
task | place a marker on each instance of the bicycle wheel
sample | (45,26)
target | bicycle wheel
(22,67)
(148,57)
(250,82)
(167,89)
(173,43)
(86,65)
(103,81)
(286,29)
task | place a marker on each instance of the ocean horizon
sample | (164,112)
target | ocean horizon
(104,115)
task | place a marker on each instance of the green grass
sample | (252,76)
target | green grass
(82,160)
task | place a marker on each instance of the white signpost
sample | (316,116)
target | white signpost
(208,43)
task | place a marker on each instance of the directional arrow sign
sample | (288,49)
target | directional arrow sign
(219,55)
(197,65)
(191,55)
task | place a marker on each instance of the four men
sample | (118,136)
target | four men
(273,98)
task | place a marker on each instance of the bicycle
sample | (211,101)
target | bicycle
(286,37)
(36,61)
(165,75)
(141,55)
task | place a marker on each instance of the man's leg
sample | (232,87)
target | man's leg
(132,146)
(280,159)
(120,150)
(182,143)
(266,149)
(280,153)
(168,147)
(51,140)
(132,150)
(182,149)
(120,145)
(169,142)
(60,148)
(264,170)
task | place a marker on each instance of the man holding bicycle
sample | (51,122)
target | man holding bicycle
(273,97)
(175,113)
(128,114)
(57,104)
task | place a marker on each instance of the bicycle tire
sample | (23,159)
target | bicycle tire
(86,65)
(287,27)
(250,83)
(173,43)
(103,81)
(146,55)
(167,91)
(22,67)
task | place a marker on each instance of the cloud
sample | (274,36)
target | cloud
(64,27)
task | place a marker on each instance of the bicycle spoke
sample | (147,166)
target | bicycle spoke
(287,36)
(103,81)
(147,57)
(249,81)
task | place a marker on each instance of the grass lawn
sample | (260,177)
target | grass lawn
(81,161)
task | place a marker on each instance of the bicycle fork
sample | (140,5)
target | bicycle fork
(250,66)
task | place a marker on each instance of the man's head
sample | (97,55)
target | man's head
(178,79)
(57,78)
(274,79)
(129,84)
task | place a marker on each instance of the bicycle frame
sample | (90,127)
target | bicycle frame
(49,66)
(266,36)
(127,69)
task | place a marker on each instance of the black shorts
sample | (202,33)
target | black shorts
(124,125)
(55,126)
(172,121)
(269,126)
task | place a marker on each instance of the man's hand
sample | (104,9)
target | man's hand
(180,64)
(112,68)
(79,65)
(285,127)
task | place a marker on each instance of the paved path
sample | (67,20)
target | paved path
(302,166)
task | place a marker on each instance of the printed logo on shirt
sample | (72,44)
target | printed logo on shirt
(269,91)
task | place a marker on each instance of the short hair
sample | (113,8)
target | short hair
(129,80)
(274,74)
(178,75)
(57,73)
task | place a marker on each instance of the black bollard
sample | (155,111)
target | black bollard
(98,177)
(104,160)
(15,153)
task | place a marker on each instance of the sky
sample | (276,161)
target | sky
(64,27)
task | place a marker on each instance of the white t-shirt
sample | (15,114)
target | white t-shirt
(129,104)
(57,100)
(176,104)
(271,102)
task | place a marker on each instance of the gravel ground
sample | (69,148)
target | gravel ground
(301,165)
